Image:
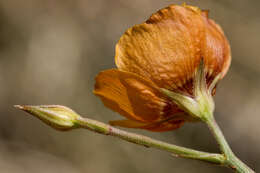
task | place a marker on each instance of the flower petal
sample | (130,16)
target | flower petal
(127,123)
(216,49)
(132,96)
(166,48)
(155,127)
(165,126)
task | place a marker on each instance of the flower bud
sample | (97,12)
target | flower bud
(56,116)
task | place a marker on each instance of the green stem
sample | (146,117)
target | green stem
(63,118)
(178,151)
(231,160)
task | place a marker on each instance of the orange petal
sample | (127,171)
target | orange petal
(166,48)
(155,127)
(127,123)
(172,122)
(132,96)
(216,49)
(165,126)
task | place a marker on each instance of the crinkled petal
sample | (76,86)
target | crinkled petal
(132,96)
(166,48)
(216,49)
(165,126)
(155,127)
(127,123)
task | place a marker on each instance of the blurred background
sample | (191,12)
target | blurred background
(50,52)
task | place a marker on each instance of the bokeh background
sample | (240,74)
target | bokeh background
(50,52)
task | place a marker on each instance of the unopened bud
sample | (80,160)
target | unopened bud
(56,116)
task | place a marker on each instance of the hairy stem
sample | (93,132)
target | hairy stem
(178,151)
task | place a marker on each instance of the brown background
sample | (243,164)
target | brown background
(50,52)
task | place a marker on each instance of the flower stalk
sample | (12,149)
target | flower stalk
(69,119)
(177,151)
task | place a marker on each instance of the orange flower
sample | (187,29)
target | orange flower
(163,52)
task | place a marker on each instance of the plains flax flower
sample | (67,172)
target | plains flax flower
(159,60)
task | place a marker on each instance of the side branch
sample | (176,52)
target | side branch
(178,151)
(63,118)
